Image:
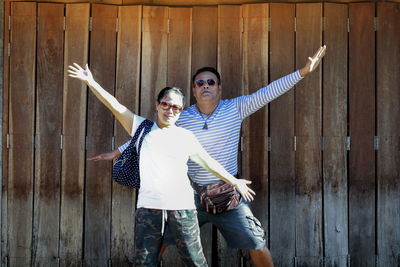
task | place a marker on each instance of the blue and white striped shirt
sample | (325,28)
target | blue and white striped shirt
(222,137)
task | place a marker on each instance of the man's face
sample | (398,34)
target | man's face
(206,87)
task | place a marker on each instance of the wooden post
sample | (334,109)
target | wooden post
(388,118)
(334,134)
(127,92)
(100,132)
(362,131)
(255,128)
(74,132)
(282,167)
(309,245)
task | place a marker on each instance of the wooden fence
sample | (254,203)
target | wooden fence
(324,158)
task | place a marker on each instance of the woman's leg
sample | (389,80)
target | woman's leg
(148,237)
(185,229)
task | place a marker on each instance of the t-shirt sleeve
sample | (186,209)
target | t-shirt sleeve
(137,120)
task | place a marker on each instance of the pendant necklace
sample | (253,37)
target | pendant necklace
(205,126)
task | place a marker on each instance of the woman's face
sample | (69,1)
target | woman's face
(169,109)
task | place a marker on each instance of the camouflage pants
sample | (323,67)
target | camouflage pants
(185,230)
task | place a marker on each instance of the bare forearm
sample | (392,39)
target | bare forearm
(122,114)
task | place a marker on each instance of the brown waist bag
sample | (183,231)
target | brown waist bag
(219,197)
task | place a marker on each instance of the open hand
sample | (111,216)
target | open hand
(246,192)
(313,62)
(76,71)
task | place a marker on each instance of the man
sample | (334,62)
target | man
(216,123)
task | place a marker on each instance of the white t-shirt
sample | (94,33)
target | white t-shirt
(164,183)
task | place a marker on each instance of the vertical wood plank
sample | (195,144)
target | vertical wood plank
(154,57)
(230,28)
(74,131)
(49,82)
(205,39)
(362,130)
(255,128)
(21,128)
(178,75)
(388,117)
(204,53)
(179,49)
(5,115)
(100,132)
(309,244)
(335,132)
(230,67)
(127,92)
(282,164)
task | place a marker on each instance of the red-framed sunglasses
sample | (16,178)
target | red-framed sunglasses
(166,106)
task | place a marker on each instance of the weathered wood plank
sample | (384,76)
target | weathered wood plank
(362,130)
(178,75)
(100,131)
(127,92)
(230,29)
(154,57)
(5,85)
(255,129)
(49,82)
(335,132)
(180,49)
(309,245)
(230,68)
(388,117)
(282,164)
(21,128)
(204,53)
(74,128)
(204,39)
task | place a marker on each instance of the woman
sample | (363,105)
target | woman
(165,195)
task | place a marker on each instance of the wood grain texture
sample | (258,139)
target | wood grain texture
(309,245)
(282,164)
(74,132)
(189,2)
(204,53)
(21,128)
(154,57)
(204,39)
(180,49)
(362,130)
(127,92)
(255,128)
(230,67)
(388,117)
(178,75)
(230,28)
(100,131)
(335,131)
(5,73)
(49,83)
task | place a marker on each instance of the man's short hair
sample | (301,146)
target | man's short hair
(207,69)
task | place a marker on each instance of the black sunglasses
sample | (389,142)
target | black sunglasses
(200,83)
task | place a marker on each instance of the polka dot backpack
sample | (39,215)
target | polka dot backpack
(126,167)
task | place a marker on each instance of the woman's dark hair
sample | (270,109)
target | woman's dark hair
(207,69)
(168,90)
